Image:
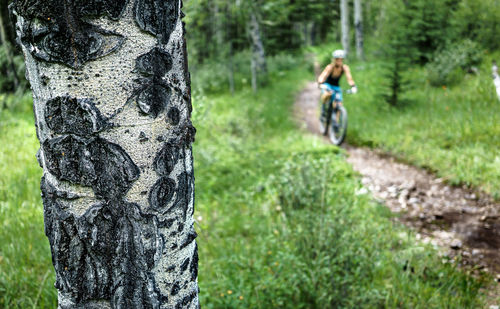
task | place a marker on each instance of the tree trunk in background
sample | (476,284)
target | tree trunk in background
(259,64)
(230,52)
(218,31)
(112,104)
(8,52)
(312,34)
(358,24)
(496,78)
(344,17)
(230,70)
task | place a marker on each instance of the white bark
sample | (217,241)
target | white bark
(496,79)
(259,64)
(344,19)
(358,24)
(135,249)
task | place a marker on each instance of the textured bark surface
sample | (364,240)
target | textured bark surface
(259,64)
(358,24)
(344,20)
(112,105)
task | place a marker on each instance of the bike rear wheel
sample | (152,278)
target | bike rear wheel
(338,129)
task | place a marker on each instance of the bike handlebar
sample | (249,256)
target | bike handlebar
(348,91)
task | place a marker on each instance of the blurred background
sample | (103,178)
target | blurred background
(282,219)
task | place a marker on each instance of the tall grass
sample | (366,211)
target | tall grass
(26,275)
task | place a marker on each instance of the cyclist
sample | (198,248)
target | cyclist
(330,77)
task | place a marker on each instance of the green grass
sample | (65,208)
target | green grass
(26,275)
(281,225)
(453,131)
(279,220)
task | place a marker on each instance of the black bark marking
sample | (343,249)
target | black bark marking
(142,137)
(155,63)
(158,17)
(153,99)
(184,265)
(184,303)
(94,162)
(153,94)
(161,193)
(193,268)
(191,236)
(166,159)
(63,35)
(173,116)
(184,192)
(101,255)
(66,115)
(175,289)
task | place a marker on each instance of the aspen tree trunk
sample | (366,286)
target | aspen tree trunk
(230,64)
(258,65)
(344,19)
(358,25)
(112,105)
(496,78)
(8,52)
(217,24)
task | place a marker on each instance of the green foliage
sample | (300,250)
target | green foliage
(213,76)
(422,26)
(217,26)
(394,83)
(479,21)
(451,64)
(6,78)
(281,225)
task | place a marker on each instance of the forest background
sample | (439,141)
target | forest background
(279,214)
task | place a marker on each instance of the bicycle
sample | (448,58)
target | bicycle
(333,120)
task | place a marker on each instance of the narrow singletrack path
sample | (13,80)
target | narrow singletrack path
(465,222)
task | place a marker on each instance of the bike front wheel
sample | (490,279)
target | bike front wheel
(338,129)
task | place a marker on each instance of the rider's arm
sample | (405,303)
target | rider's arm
(348,75)
(323,76)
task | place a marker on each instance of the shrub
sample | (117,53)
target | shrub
(451,63)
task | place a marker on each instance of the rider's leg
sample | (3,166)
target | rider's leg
(338,103)
(325,98)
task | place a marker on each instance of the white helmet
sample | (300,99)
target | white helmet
(339,53)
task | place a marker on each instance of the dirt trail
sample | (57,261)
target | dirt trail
(464,222)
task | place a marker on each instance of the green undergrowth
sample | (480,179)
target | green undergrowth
(281,224)
(26,275)
(451,130)
(280,219)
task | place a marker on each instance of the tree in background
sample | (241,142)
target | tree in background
(285,26)
(11,65)
(397,52)
(12,72)
(112,105)
(258,64)
(478,21)
(344,17)
(358,25)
